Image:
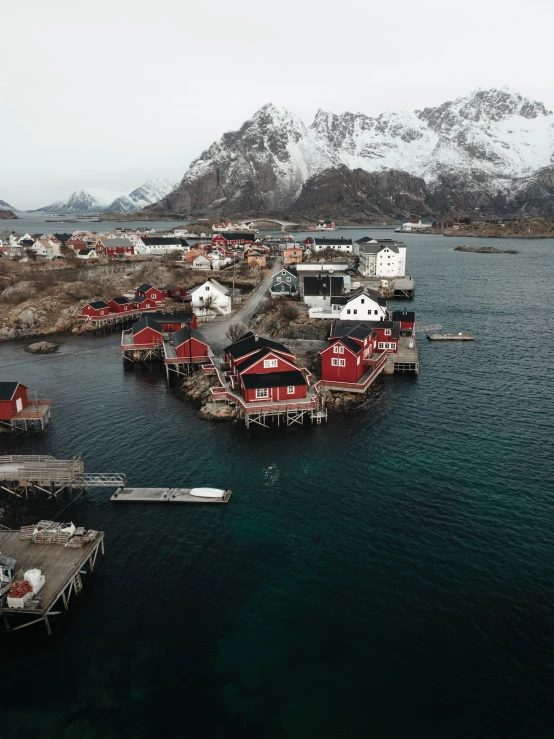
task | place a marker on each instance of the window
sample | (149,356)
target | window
(207,287)
(270,363)
(279,278)
(387,332)
(342,362)
(338,349)
(375,312)
(355,311)
(262,392)
(348,311)
(290,390)
(362,301)
(288,279)
(334,362)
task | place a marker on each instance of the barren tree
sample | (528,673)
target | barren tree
(236,331)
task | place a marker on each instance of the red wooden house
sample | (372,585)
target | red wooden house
(145,334)
(95,309)
(267,375)
(153,294)
(350,354)
(171,322)
(176,292)
(144,304)
(248,345)
(229,238)
(77,244)
(120,305)
(17,411)
(13,398)
(406,319)
(263,369)
(387,333)
(190,346)
(115,247)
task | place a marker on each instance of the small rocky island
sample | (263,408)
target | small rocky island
(485,250)
(42,347)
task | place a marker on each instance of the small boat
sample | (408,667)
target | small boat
(208,493)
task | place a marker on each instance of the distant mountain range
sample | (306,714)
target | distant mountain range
(490,153)
(5,206)
(94,200)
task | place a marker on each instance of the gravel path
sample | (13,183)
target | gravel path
(215,330)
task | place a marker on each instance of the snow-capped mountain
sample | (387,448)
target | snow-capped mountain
(97,200)
(150,192)
(484,148)
(5,206)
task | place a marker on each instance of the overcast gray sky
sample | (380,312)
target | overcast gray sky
(110,93)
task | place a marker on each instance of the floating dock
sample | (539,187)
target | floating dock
(163,495)
(62,567)
(450,337)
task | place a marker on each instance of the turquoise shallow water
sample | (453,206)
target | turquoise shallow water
(388,574)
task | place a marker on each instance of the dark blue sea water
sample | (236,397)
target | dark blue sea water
(389,574)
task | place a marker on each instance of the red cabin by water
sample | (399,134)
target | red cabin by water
(95,309)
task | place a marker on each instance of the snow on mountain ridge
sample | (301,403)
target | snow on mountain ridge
(99,200)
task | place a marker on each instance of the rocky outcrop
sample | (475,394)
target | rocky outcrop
(7,214)
(42,347)
(366,195)
(485,250)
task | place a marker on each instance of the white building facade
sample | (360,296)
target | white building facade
(364,304)
(211,298)
(382,259)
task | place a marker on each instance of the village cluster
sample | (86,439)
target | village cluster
(336,278)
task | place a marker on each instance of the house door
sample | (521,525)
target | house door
(18,405)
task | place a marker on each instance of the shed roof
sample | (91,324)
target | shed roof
(116,241)
(274,379)
(122,300)
(338,241)
(144,288)
(7,390)
(323,285)
(172,317)
(250,343)
(185,333)
(368,292)
(98,304)
(146,322)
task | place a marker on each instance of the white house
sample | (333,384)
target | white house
(337,243)
(211,298)
(87,254)
(361,304)
(384,258)
(46,248)
(201,262)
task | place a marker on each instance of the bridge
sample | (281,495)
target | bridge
(282,224)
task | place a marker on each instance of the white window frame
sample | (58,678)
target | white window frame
(342,362)
(387,332)
(290,390)
(261,393)
(271,363)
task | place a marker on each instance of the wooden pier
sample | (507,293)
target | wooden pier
(451,337)
(163,495)
(28,476)
(62,567)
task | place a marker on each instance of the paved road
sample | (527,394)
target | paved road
(215,330)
